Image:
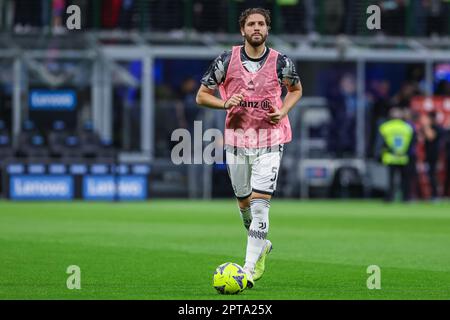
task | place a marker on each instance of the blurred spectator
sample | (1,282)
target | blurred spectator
(6,16)
(393,17)
(447,161)
(394,145)
(58,12)
(436,16)
(164,109)
(407,91)
(419,16)
(110,13)
(425,17)
(415,74)
(412,118)
(164,92)
(126,14)
(432,134)
(443,88)
(46,14)
(310,16)
(25,15)
(380,98)
(333,11)
(128,102)
(208,16)
(293,12)
(166,15)
(342,138)
(187,109)
(351,16)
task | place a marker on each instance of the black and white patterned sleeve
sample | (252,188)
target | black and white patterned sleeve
(217,71)
(287,73)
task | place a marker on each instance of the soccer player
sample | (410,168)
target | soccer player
(250,79)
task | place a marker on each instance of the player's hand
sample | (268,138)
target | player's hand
(234,100)
(276,115)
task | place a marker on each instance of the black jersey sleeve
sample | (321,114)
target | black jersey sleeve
(286,71)
(215,75)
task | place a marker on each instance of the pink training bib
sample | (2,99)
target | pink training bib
(248,124)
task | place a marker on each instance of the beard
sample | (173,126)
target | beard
(255,42)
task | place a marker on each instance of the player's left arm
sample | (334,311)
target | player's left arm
(291,80)
(292,97)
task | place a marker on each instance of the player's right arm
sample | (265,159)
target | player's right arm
(210,82)
(205,97)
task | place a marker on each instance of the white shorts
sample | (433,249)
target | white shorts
(253,170)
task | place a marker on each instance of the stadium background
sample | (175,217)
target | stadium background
(86,110)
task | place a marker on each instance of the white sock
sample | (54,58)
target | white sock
(246,215)
(257,233)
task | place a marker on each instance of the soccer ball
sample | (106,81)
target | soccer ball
(229,278)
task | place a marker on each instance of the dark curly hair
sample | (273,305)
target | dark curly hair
(246,13)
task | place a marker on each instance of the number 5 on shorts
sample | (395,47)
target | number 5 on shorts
(275,172)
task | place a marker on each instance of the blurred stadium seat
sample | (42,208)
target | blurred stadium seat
(31,142)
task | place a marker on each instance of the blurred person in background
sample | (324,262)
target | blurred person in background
(187,110)
(342,139)
(310,16)
(126,14)
(393,15)
(208,15)
(394,145)
(378,113)
(58,10)
(167,15)
(432,133)
(436,16)
(447,164)
(412,118)
(333,10)
(25,16)
(164,109)
(6,16)
(110,13)
(443,88)
(408,90)
(350,17)
(292,12)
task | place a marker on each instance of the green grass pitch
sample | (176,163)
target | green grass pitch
(170,249)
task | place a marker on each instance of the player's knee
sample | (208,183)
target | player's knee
(244,202)
(257,195)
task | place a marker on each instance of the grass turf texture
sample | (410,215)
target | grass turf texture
(170,249)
